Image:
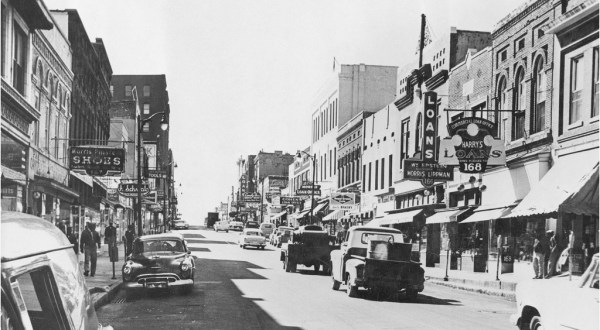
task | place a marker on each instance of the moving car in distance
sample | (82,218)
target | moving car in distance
(236,225)
(558,303)
(252,237)
(222,226)
(283,235)
(251,224)
(42,283)
(159,261)
(266,229)
(180,224)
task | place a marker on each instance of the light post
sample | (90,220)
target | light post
(164,125)
(313,158)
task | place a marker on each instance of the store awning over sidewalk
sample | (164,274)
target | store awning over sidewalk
(585,199)
(320,206)
(402,217)
(489,212)
(335,215)
(375,222)
(446,215)
(278,215)
(565,180)
(301,214)
(12,175)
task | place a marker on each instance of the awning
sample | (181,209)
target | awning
(53,188)
(320,207)
(300,214)
(446,215)
(561,182)
(585,199)
(278,215)
(337,214)
(83,178)
(375,222)
(12,175)
(403,217)
(488,212)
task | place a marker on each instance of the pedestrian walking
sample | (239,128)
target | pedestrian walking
(129,237)
(554,253)
(87,243)
(539,257)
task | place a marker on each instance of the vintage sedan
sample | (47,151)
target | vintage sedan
(558,303)
(252,237)
(159,261)
(180,224)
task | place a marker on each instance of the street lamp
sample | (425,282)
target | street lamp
(314,170)
(164,125)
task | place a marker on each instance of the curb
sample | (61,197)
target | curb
(102,296)
(508,295)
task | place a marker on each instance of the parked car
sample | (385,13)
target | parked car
(283,235)
(252,237)
(222,226)
(42,284)
(558,303)
(251,224)
(236,225)
(266,229)
(377,259)
(159,261)
(180,224)
(309,245)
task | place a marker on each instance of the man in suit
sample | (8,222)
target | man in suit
(87,243)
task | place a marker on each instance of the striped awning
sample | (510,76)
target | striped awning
(335,215)
(403,217)
(445,215)
(278,215)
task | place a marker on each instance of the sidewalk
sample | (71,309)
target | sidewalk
(102,287)
(485,283)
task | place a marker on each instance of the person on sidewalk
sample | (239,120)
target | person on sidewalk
(129,237)
(88,241)
(554,253)
(539,257)
(110,237)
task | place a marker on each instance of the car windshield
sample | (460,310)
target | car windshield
(152,246)
(366,237)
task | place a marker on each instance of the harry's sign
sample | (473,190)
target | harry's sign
(472,145)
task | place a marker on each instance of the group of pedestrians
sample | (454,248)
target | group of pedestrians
(546,254)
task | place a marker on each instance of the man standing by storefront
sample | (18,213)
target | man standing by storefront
(87,243)
(539,256)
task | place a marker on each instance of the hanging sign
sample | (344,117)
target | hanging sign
(251,198)
(342,201)
(293,200)
(157,174)
(426,169)
(131,189)
(98,161)
(472,145)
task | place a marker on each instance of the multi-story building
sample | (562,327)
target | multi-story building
(20,23)
(392,136)
(351,90)
(51,86)
(90,104)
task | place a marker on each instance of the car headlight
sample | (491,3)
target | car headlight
(186,265)
(127,267)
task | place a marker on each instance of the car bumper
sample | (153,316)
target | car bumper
(164,280)
(255,244)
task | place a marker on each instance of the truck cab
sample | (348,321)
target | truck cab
(377,259)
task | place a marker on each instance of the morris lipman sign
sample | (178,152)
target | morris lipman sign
(97,161)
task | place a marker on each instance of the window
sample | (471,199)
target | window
(19,59)
(595,83)
(37,291)
(146,108)
(112,90)
(146,90)
(519,44)
(501,104)
(390,171)
(127,90)
(477,111)
(369,176)
(382,173)
(146,128)
(405,135)
(376,174)
(576,90)
(419,134)
(334,157)
(538,113)
(519,106)
(4,28)
(364,179)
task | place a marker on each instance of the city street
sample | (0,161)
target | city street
(248,289)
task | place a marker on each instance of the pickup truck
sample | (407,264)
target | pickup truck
(311,246)
(376,258)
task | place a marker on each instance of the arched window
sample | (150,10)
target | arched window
(518,126)
(49,81)
(419,133)
(58,94)
(501,105)
(538,96)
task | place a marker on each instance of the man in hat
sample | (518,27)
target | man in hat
(554,253)
(87,243)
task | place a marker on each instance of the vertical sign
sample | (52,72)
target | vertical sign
(430,127)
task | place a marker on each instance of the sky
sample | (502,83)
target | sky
(241,74)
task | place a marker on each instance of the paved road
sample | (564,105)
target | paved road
(248,289)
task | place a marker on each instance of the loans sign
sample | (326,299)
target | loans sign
(98,161)
(472,145)
(426,169)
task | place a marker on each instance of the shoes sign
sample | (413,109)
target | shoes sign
(427,170)
(97,160)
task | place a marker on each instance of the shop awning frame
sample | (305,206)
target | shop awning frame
(402,217)
(489,212)
(278,215)
(51,187)
(447,215)
(12,175)
(333,216)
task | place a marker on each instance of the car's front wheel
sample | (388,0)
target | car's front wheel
(351,290)
(336,284)
(536,323)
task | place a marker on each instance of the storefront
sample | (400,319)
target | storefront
(14,179)
(442,236)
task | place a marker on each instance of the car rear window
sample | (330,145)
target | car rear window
(313,228)
(366,237)
(268,225)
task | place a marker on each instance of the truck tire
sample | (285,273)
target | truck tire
(351,290)
(336,284)
(317,267)
(292,266)
(536,323)
(286,265)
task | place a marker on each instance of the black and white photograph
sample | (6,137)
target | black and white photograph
(300,164)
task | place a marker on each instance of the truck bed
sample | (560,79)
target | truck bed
(392,273)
